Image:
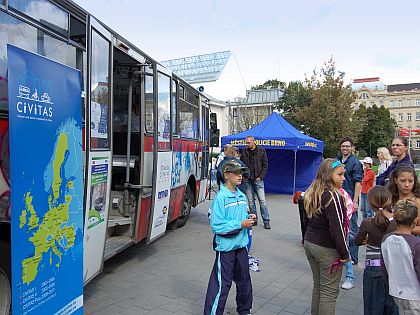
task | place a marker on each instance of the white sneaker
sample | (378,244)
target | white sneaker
(348,284)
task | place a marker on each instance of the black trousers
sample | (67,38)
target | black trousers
(229,266)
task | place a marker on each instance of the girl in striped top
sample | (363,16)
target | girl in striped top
(376,299)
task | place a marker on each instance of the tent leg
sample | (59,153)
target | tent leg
(294,175)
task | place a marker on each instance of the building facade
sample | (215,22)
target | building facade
(249,112)
(402,100)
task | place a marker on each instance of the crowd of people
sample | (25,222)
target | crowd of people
(389,203)
(390,230)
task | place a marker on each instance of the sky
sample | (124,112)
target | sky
(274,39)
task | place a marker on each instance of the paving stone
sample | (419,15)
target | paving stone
(170,276)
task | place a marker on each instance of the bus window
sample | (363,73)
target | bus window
(164,107)
(174,107)
(25,36)
(44,12)
(149,103)
(99,107)
(188,116)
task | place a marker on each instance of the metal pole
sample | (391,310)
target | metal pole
(409,141)
(294,175)
(127,205)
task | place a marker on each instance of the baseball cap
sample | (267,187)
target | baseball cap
(233,166)
(368,160)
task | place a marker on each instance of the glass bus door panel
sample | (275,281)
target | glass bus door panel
(162,165)
(99,157)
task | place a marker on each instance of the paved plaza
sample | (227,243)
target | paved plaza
(170,275)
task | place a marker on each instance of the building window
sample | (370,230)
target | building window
(356,106)
(399,103)
(372,103)
(417,102)
(417,115)
(235,112)
(409,102)
(408,116)
(363,96)
(400,116)
(261,113)
(391,103)
(418,144)
(381,103)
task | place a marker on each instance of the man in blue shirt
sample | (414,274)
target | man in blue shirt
(353,186)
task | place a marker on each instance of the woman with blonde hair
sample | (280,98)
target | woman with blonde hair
(325,239)
(385,159)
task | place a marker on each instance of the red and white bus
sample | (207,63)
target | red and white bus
(136,114)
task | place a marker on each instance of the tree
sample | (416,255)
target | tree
(377,129)
(321,107)
(270,84)
(295,95)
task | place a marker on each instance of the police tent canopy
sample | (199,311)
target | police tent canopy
(293,157)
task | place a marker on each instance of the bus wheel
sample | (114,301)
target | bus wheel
(5,287)
(186,207)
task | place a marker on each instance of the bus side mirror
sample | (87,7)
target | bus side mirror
(214,137)
(213,121)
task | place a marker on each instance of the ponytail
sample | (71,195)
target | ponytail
(380,220)
(380,200)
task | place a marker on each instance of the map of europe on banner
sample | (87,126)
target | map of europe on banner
(46,162)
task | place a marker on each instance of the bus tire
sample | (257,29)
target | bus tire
(5,278)
(186,207)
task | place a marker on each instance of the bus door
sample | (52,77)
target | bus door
(98,146)
(132,95)
(204,176)
(162,152)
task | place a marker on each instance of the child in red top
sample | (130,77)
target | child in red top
(367,183)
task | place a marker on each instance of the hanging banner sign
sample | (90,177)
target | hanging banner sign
(46,176)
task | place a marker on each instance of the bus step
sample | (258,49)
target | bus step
(116,244)
(114,220)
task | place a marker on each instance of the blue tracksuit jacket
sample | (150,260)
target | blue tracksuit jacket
(227,210)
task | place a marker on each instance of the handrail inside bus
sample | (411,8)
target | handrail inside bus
(129,185)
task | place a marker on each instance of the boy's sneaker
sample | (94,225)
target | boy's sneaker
(348,284)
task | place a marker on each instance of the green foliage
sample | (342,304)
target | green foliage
(295,95)
(321,107)
(377,128)
(270,84)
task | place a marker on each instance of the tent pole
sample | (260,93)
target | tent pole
(294,175)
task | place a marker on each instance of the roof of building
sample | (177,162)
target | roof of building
(263,96)
(214,101)
(403,87)
(376,85)
(374,79)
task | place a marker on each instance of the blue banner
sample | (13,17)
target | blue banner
(46,177)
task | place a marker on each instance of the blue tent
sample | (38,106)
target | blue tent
(293,157)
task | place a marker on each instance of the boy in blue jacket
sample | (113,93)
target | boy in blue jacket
(229,221)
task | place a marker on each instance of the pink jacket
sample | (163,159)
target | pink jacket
(350,209)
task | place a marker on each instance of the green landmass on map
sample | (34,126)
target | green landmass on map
(53,229)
